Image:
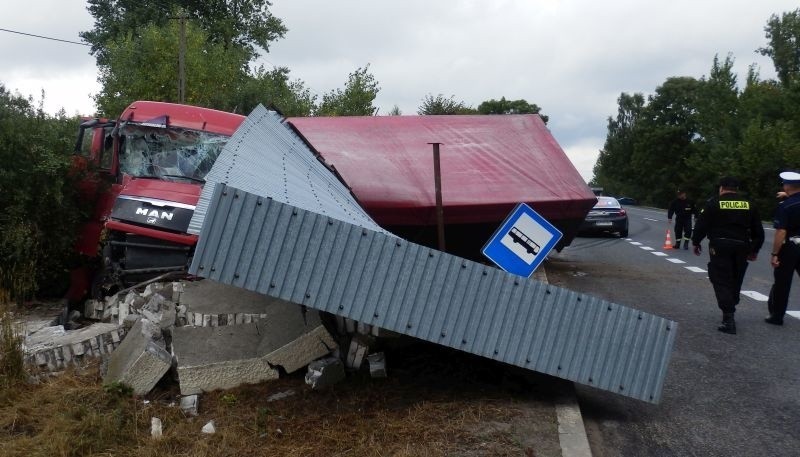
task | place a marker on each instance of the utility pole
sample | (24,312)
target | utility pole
(181,58)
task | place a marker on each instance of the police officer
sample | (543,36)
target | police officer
(683,211)
(785,257)
(735,235)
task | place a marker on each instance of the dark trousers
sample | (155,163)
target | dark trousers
(726,268)
(789,258)
(683,229)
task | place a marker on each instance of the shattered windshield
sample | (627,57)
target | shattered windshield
(168,153)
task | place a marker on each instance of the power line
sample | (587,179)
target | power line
(44,37)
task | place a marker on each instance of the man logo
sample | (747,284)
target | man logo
(154,214)
(151,220)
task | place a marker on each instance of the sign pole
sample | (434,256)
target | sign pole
(437,179)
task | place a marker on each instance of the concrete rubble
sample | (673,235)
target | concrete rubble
(53,348)
(210,336)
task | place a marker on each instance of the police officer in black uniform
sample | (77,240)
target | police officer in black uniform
(735,235)
(683,210)
(785,257)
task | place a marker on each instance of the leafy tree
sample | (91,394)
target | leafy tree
(395,111)
(440,105)
(783,34)
(243,24)
(143,66)
(613,169)
(274,89)
(40,205)
(504,106)
(357,98)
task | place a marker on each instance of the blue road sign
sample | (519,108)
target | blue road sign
(522,242)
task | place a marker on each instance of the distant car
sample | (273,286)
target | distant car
(626,201)
(607,216)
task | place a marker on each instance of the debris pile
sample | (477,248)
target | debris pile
(209,336)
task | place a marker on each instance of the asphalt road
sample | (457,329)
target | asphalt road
(725,395)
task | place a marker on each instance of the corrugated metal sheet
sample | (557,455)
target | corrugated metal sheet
(263,245)
(267,158)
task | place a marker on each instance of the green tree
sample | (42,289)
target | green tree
(783,34)
(504,106)
(41,212)
(356,99)
(395,111)
(243,24)
(613,169)
(274,89)
(443,105)
(143,66)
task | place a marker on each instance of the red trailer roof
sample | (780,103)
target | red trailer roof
(489,163)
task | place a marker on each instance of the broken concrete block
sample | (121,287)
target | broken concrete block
(130,320)
(211,358)
(324,372)
(180,315)
(138,362)
(280,396)
(163,289)
(377,365)
(293,339)
(189,404)
(356,352)
(159,310)
(53,348)
(155,428)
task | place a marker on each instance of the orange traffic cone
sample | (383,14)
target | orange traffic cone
(668,241)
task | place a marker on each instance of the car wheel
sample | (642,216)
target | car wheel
(623,233)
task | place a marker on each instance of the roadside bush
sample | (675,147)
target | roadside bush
(39,208)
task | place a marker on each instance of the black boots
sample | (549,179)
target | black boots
(774,320)
(728,324)
(685,244)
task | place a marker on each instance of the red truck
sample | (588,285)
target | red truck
(146,170)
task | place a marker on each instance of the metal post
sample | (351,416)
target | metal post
(437,179)
(181,54)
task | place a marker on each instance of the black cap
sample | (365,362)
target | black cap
(729,181)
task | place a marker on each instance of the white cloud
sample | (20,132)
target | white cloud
(573,58)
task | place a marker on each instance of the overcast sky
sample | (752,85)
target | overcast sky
(573,58)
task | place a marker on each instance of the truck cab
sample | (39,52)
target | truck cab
(147,168)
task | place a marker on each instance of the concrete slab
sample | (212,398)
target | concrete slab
(139,361)
(213,298)
(294,339)
(53,348)
(211,358)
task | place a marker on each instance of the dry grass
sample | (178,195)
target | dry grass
(451,407)
(12,371)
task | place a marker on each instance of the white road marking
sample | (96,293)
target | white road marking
(755,295)
(697,270)
(660,254)
(636,243)
(794,314)
(674,260)
(649,219)
(646,248)
(628,239)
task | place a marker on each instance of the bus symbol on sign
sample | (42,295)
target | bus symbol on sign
(522,242)
(528,244)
